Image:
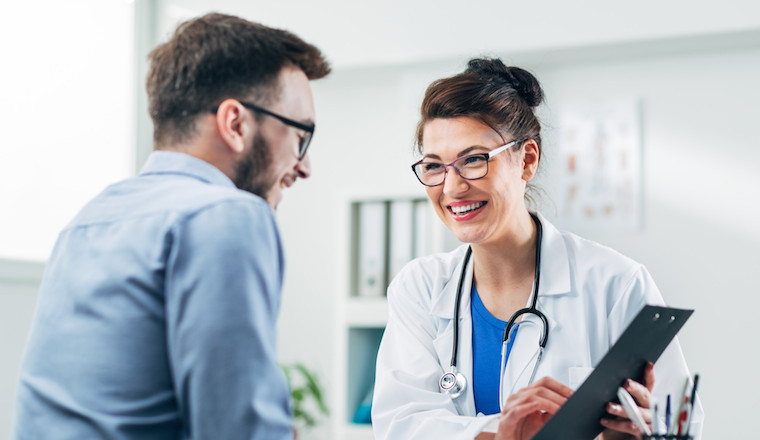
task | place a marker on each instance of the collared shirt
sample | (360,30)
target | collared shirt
(156,315)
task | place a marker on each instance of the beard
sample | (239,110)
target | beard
(253,173)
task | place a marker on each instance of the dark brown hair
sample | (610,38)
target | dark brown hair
(214,57)
(504,98)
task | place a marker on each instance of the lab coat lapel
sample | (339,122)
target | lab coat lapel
(443,308)
(522,358)
(465,343)
(554,281)
(555,263)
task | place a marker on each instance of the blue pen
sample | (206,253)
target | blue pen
(667,415)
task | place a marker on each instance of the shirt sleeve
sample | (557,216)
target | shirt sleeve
(223,285)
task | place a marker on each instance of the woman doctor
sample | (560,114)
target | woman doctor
(440,360)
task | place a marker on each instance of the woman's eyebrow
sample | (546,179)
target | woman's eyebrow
(470,150)
(432,156)
(464,152)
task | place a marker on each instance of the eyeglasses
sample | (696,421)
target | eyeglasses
(308,129)
(470,167)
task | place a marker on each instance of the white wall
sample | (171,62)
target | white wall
(66,114)
(701,164)
(700,239)
(358,34)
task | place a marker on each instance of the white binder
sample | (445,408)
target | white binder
(372,239)
(423,229)
(401,235)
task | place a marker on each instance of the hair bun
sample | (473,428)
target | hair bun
(526,85)
(523,82)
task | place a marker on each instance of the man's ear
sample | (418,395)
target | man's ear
(233,123)
(530,157)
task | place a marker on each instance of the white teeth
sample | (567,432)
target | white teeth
(466,208)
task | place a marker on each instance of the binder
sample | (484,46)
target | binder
(372,240)
(401,245)
(423,233)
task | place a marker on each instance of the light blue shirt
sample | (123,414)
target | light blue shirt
(156,315)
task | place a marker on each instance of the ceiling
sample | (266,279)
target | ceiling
(369,33)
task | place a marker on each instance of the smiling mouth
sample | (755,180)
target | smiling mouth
(286,182)
(464,209)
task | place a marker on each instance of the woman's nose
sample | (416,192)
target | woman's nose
(453,183)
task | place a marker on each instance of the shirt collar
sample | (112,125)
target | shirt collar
(172,162)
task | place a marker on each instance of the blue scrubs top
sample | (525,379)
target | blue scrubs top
(487,334)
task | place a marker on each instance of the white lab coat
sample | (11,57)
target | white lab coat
(589,294)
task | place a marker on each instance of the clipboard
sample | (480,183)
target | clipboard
(643,341)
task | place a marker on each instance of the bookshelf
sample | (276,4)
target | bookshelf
(404,226)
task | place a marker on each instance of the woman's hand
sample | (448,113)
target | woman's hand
(526,411)
(619,426)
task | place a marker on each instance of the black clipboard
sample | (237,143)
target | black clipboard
(643,341)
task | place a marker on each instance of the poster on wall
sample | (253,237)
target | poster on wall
(600,166)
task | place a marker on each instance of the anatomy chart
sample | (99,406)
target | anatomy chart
(599,166)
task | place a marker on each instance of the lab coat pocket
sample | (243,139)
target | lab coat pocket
(577,376)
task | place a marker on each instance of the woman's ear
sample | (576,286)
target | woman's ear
(232,122)
(530,158)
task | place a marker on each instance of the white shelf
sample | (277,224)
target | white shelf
(361,320)
(353,431)
(21,271)
(366,312)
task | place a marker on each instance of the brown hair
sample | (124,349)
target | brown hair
(504,98)
(214,57)
(501,97)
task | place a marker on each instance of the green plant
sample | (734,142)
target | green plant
(306,392)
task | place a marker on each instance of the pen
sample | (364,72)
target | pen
(633,411)
(683,416)
(683,397)
(693,402)
(656,420)
(667,415)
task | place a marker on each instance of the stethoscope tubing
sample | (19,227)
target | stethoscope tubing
(512,320)
(456,306)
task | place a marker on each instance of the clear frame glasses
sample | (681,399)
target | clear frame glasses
(308,129)
(470,167)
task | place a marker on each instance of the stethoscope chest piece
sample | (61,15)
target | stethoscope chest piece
(452,383)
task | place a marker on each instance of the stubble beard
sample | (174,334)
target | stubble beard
(254,169)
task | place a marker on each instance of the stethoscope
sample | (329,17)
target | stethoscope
(453,382)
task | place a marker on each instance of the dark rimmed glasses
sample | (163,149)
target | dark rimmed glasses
(470,167)
(308,129)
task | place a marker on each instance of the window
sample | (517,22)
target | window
(67,114)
